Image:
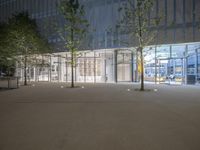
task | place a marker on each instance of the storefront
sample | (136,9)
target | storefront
(163,64)
(172,64)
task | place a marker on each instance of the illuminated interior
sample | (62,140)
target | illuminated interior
(163,64)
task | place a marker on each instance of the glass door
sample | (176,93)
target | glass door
(124,67)
(178,71)
(198,67)
(162,71)
(191,68)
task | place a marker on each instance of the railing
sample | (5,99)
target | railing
(9,82)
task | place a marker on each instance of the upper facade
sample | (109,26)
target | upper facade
(180,20)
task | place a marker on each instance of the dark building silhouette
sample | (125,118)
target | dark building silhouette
(179,23)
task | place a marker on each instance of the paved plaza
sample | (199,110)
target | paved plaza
(49,116)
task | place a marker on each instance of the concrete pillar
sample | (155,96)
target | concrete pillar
(84,67)
(132,67)
(185,63)
(94,67)
(66,69)
(115,65)
(59,68)
(50,71)
(34,74)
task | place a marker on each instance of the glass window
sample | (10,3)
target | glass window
(188,11)
(21,5)
(161,36)
(170,4)
(198,67)
(6,11)
(178,51)
(1,13)
(197,10)
(153,14)
(26,5)
(149,63)
(149,55)
(161,12)
(163,52)
(179,35)
(189,34)
(179,11)
(192,48)
(191,64)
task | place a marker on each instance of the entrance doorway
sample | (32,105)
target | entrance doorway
(124,73)
(124,60)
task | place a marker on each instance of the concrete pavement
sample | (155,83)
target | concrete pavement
(100,117)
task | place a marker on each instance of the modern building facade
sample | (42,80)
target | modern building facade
(173,58)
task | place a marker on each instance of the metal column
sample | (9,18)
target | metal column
(115,66)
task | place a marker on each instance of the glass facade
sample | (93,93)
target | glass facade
(173,64)
(163,64)
(174,59)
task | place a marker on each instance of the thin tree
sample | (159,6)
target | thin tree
(6,52)
(3,53)
(26,40)
(135,22)
(74,29)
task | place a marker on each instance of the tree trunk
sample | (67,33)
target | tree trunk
(72,69)
(25,73)
(142,69)
(72,57)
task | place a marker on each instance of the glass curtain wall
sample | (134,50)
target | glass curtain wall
(168,64)
(164,64)
(198,66)
(173,64)
(149,64)
(176,65)
(89,67)
(108,66)
(193,62)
